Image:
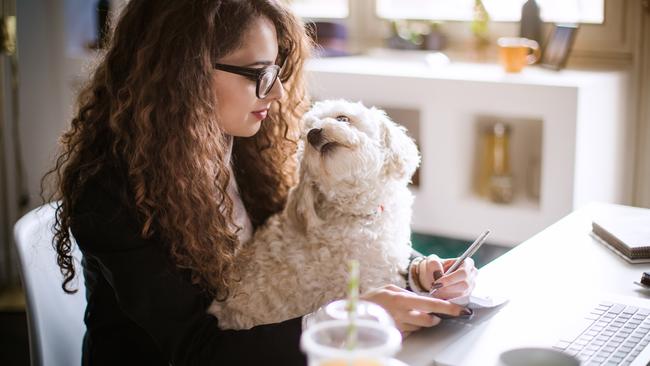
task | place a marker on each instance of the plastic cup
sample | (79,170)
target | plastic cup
(366,310)
(325,344)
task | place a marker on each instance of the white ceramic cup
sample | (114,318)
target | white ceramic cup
(536,357)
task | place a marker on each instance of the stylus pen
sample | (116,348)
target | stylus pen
(468,253)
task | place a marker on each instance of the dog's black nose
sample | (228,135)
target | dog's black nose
(315,136)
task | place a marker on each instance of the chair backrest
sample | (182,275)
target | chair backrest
(55,319)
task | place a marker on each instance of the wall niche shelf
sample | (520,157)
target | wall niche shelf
(571,124)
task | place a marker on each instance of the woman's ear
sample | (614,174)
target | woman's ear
(300,210)
(402,155)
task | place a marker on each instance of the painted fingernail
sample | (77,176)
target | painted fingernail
(436,275)
(435,286)
(466,312)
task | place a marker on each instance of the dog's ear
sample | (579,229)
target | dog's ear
(300,210)
(402,156)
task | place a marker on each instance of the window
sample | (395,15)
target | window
(558,11)
(320,9)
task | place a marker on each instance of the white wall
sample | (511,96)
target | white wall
(43,90)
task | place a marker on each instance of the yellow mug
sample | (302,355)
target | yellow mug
(515,53)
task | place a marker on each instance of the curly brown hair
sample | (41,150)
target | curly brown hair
(149,109)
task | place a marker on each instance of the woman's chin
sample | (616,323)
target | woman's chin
(250,131)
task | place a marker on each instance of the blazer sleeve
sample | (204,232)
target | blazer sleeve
(158,297)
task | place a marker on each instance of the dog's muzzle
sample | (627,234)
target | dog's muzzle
(315,137)
(320,143)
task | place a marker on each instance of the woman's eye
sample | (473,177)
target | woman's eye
(343,118)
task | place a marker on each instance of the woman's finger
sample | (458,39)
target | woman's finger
(456,290)
(421,319)
(432,271)
(407,328)
(468,262)
(427,304)
(458,276)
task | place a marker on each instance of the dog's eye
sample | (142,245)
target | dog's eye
(343,118)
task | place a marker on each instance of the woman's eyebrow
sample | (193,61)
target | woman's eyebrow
(260,63)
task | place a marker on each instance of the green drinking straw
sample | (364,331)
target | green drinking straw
(351,307)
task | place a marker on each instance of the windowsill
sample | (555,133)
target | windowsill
(437,65)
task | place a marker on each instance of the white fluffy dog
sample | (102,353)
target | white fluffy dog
(352,201)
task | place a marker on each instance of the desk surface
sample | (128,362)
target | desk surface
(561,270)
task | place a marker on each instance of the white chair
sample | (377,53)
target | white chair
(55,319)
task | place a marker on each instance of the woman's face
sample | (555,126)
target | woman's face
(239,110)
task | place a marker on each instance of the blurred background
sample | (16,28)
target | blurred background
(505,144)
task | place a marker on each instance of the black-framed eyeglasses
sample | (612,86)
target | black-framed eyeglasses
(264,77)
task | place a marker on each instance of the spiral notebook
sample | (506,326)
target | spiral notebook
(626,232)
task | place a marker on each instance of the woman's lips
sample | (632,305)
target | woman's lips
(261,114)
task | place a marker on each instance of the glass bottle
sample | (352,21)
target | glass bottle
(479,28)
(501,190)
(531,23)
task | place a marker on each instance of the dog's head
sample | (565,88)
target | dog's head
(346,145)
(346,142)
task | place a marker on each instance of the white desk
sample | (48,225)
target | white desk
(561,270)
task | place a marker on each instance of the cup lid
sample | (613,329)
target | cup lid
(383,340)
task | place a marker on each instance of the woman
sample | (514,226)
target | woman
(182,145)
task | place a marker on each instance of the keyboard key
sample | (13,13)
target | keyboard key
(571,352)
(630,310)
(616,358)
(621,356)
(581,342)
(562,345)
(592,317)
(617,308)
(576,330)
(643,311)
(585,337)
(626,349)
(614,343)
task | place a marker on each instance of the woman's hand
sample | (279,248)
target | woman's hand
(461,282)
(411,311)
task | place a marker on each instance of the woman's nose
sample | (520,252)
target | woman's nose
(277,91)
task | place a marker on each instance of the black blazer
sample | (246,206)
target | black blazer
(142,310)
